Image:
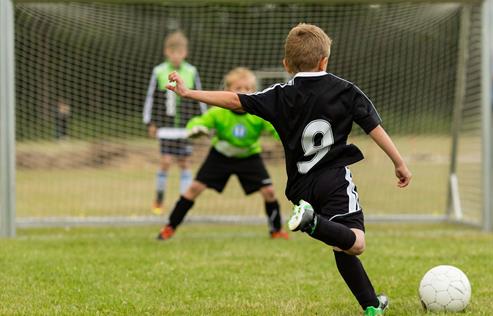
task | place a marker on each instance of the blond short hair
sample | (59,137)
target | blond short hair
(176,40)
(239,73)
(305,46)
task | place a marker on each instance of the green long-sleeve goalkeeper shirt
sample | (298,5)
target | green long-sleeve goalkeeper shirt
(237,134)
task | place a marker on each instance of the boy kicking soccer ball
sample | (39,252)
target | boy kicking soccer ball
(235,150)
(313,114)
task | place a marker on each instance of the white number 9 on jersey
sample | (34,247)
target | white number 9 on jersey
(310,148)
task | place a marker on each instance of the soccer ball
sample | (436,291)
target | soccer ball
(445,288)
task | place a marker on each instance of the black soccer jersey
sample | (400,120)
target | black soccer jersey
(313,114)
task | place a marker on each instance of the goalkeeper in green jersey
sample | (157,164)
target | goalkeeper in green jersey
(235,150)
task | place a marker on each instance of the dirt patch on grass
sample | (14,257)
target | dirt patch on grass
(98,154)
(69,154)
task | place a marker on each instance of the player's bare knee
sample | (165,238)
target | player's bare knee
(194,190)
(183,163)
(358,248)
(268,193)
(359,245)
(164,167)
(165,162)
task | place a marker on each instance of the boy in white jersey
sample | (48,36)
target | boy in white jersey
(166,115)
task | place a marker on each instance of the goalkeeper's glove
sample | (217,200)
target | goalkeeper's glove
(197,131)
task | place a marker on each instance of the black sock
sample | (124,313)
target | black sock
(332,233)
(179,211)
(354,274)
(159,196)
(273,216)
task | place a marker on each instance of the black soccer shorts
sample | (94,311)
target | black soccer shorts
(175,147)
(217,168)
(335,197)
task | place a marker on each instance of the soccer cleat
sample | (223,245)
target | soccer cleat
(157,208)
(302,218)
(384,301)
(380,310)
(279,235)
(166,233)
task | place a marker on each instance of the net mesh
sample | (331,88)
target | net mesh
(469,162)
(83,71)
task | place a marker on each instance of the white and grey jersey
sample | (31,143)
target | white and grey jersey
(163,107)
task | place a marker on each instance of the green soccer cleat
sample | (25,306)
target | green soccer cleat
(302,218)
(380,310)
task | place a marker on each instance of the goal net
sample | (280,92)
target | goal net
(83,72)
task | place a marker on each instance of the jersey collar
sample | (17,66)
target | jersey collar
(310,74)
(172,67)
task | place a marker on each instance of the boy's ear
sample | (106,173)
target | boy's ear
(322,65)
(286,66)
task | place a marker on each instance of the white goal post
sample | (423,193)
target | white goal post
(466,124)
(473,64)
(487,102)
(7,120)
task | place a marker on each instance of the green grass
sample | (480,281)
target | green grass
(225,270)
(125,186)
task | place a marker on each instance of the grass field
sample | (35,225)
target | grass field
(69,182)
(226,270)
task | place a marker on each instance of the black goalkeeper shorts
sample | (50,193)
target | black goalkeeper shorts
(217,168)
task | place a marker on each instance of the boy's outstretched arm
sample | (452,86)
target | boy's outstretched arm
(225,99)
(383,140)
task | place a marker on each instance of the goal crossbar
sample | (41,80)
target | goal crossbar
(247,2)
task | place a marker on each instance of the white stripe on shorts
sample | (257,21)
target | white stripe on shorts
(352,194)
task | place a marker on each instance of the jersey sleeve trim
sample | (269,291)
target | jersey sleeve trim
(282,85)
(262,103)
(370,122)
(244,102)
(367,98)
(147,114)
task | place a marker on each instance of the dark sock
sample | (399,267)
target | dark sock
(332,233)
(354,274)
(273,216)
(159,196)
(179,211)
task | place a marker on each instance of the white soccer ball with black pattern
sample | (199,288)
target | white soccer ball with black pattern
(445,288)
